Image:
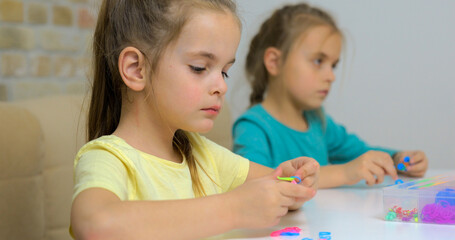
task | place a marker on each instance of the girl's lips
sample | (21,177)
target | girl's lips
(212,110)
(324,92)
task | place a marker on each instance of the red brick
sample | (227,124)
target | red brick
(86,19)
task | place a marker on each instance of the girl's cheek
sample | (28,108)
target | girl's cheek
(192,95)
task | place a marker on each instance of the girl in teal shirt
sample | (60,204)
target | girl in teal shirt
(290,66)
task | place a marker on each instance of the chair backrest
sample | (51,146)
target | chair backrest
(21,193)
(62,119)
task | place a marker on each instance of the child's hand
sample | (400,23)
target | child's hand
(418,162)
(262,202)
(304,167)
(371,166)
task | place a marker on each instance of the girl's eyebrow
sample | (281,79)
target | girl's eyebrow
(324,56)
(208,55)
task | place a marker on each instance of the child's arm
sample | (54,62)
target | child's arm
(371,166)
(99,214)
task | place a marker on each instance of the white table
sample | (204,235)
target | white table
(350,213)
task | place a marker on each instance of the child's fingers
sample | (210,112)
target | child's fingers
(308,169)
(417,157)
(300,161)
(418,167)
(388,166)
(287,201)
(369,178)
(418,163)
(296,191)
(309,181)
(378,172)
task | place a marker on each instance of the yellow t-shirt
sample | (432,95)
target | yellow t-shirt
(110,163)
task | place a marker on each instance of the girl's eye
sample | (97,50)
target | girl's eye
(225,75)
(317,62)
(334,66)
(197,69)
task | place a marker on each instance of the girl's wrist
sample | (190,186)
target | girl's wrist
(230,208)
(345,180)
(350,174)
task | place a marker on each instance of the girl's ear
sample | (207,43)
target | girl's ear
(131,64)
(272,62)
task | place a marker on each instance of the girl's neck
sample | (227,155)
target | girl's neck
(147,133)
(285,112)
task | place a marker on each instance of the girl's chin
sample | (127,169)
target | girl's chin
(202,128)
(312,107)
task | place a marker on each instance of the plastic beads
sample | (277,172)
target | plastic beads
(297,178)
(324,236)
(289,231)
(404,215)
(403,166)
(406,159)
(390,216)
(398,181)
(293,179)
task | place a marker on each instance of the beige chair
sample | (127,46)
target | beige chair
(39,139)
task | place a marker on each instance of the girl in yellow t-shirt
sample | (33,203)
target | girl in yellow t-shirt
(159,78)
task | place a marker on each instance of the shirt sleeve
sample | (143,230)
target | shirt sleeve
(232,168)
(343,146)
(251,142)
(100,169)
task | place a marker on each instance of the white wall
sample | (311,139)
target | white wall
(395,83)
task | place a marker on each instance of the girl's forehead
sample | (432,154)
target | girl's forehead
(317,38)
(212,19)
(209,31)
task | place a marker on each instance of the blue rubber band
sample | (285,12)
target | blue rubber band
(406,159)
(295,177)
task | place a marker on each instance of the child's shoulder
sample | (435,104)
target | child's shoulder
(110,143)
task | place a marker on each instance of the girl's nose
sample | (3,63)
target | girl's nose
(219,87)
(331,75)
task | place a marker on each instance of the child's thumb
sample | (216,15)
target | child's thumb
(276,173)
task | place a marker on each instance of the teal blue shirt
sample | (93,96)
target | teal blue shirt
(262,139)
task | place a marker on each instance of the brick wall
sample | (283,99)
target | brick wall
(45,47)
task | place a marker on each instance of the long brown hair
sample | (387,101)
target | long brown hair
(150,26)
(281,30)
